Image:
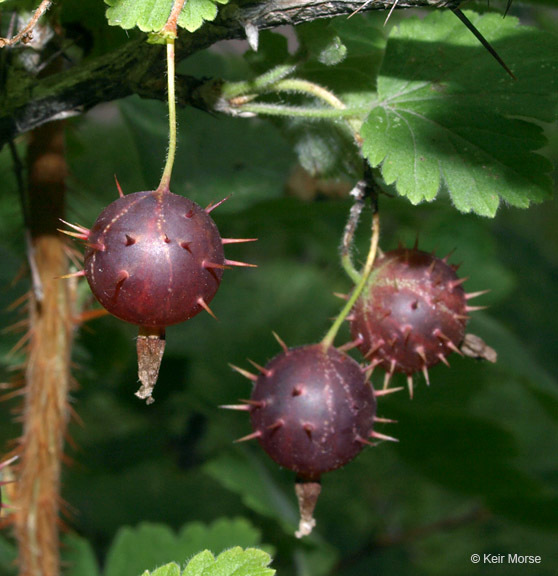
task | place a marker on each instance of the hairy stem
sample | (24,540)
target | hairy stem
(172,22)
(250,88)
(332,333)
(242,102)
(47,373)
(164,185)
(311,89)
(292,111)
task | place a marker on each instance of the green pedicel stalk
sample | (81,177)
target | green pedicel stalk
(164,185)
(332,333)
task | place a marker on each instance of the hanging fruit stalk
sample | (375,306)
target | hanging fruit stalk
(155,258)
(312,408)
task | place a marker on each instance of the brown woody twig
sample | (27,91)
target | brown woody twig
(26,33)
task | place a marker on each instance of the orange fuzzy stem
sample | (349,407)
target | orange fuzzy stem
(47,375)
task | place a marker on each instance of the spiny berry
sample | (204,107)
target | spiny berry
(312,410)
(412,314)
(154,259)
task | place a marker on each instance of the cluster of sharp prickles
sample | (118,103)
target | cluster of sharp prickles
(155,259)
(313,408)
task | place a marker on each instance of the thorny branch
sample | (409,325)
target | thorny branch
(138,67)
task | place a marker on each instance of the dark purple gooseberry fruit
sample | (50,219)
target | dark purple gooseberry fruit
(412,314)
(154,259)
(312,409)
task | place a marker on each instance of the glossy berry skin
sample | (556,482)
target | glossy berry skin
(412,314)
(152,257)
(312,409)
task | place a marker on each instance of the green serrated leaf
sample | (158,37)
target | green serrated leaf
(152,15)
(196,12)
(147,545)
(199,564)
(444,113)
(171,569)
(148,16)
(249,562)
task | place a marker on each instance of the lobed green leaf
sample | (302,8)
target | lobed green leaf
(196,12)
(152,15)
(150,544)
(171,569)
(249,562)
(447,117)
